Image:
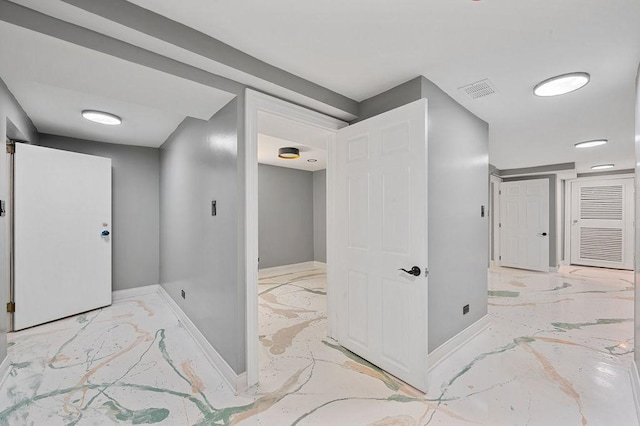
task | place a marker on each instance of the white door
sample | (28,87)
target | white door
(62,259)
(602,223)
(381,213)
(524,224)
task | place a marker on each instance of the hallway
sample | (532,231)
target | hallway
(557,352)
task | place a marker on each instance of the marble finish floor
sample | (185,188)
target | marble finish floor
(557,352)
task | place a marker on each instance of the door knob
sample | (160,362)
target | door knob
(544,234)
(415,271)
(104,233)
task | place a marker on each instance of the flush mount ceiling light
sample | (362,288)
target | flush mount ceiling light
(102,117)
(602,166)
(289,153)
(591,144)
(561,84)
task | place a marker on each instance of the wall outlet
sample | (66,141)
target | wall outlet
(184,295)
(465,309)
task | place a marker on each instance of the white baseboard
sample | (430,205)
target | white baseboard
(553,269)
(237,382)
(5,369)
(449,347)
(635,386)
(134,292)
(289,269)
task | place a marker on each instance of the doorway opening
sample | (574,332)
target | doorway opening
(270,116)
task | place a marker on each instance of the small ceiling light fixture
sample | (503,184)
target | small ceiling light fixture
(591,144)
(289,153)
(312,160)
(602,166)
(102,117)
(561,84)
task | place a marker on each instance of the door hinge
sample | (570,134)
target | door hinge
(11,307)
(499,192)
(11,148)
(499,225)
(499,257)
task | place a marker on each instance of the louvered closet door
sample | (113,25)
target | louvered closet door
(602,223)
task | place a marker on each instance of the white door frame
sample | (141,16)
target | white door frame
(495,219)
(568,214)
(256,102)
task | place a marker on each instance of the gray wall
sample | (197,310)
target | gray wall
(285,211)
(637,228)
(458,165)
(15,124)
(553,213)
(135,211)
(320,216)
(458,238)
(198,251)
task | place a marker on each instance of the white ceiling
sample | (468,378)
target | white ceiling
(54,81)
(362,47)
(275,132)
(268,154)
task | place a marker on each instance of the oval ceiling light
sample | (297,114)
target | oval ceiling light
(602,166)
(102,117)
(591,144)
(289,153)
(311,160)
(561,84)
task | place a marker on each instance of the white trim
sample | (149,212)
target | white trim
(635,386)
(135,292)
(553,269)
(452,345)
(237,382)
(495,219)
(5,369)
(288,269)
(259,102)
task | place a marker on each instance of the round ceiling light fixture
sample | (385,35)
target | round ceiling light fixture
(102,117)
(591,144)
(602,166)
(289,153)
(561,84)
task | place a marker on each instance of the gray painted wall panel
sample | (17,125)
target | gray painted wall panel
(136,204)
(15,123)
(285,212)
(458,166)
(198,251)
(320,216)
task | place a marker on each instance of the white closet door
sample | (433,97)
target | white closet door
(381,212)
(62,259)
(602,223)
(524,224)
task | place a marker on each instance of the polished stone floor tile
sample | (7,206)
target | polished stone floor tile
(557,352)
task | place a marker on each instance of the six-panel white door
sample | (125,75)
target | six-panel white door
(381,211)
(62,260)
(524,224)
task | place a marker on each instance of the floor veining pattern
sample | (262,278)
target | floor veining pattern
(557,352)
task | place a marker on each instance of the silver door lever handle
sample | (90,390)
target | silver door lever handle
(415,271)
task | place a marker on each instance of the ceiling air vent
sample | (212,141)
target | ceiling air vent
(479,89)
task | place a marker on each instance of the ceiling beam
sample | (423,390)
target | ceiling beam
(177,34)
(24,17)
